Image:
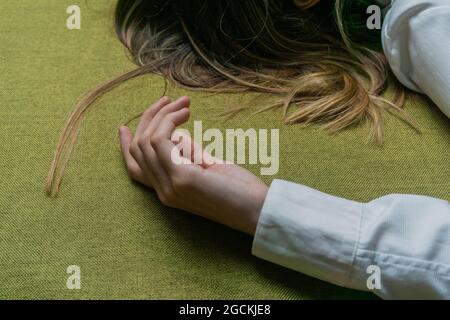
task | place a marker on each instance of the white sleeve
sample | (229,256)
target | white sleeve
(416,42)
(398,244)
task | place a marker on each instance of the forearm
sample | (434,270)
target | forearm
(336,240)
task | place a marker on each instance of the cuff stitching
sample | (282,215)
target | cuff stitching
(355,249)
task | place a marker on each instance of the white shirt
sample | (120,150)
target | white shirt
(397,246)
(416,42)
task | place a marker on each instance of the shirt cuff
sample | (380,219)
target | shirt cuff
(309,231)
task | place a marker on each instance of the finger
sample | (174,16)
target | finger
(145,146)
(159,176)
(179,104)
(148,114)
(136,153)
(146,118)
(133,168)
(161,140)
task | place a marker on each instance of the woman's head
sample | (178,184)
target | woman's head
(245,32)
(299,50)
(307,53)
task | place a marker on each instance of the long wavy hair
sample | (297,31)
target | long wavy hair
(317,57)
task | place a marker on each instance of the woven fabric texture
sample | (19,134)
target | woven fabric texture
(126,243)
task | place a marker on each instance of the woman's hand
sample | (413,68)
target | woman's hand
(225,193)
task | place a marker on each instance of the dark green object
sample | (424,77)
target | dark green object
(355,22)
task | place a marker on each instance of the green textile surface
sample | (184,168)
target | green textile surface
(126,243)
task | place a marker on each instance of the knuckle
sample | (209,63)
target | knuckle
(156,139)
(133,171)
(170,117)
(141,143)
(134,149)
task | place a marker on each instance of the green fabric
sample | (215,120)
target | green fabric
(126,243)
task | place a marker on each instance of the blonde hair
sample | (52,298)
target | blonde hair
(285,48)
